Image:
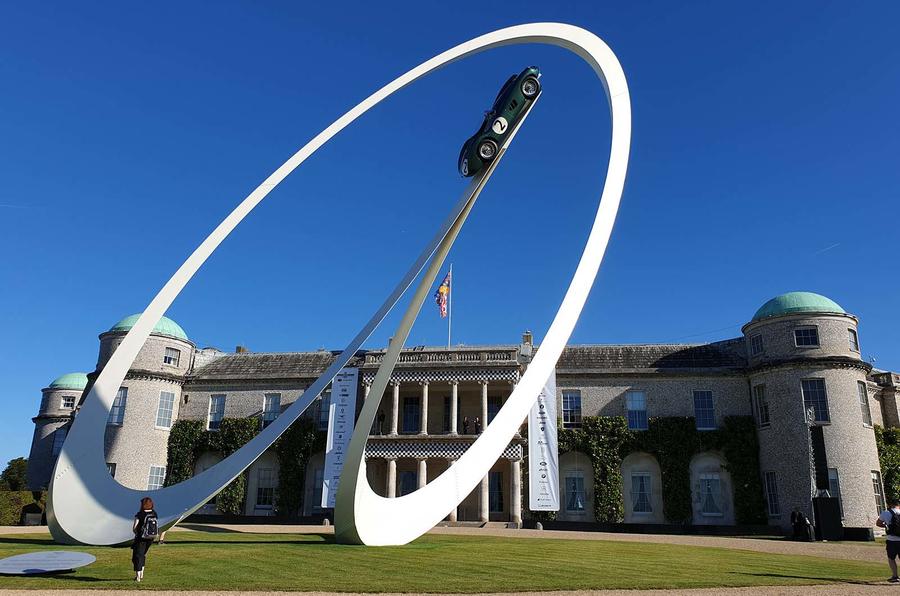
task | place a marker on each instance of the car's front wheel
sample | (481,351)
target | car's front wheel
(530,87)
(487,150)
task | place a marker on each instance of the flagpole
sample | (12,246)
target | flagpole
(450,306)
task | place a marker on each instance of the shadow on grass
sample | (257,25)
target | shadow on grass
(210,529)
(40,541)
(831,580)
(323,539)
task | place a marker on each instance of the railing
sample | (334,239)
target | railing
(414,356)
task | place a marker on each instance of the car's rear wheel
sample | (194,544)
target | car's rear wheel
(487,150)
(530,87)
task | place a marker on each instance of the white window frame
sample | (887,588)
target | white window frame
(756,341)
(59,437)
(172,360)
(162,409)
(863,391)
(719,499)
(649,492)
(630,397)
(834,476)
(271,408)
(878,489)
(853,338)
(773,505)
(117,411)
(815,328)
(827,419)
(270,484)
(575,476)
(760,399)
(712,400)
(216,415)
(571,417)
(64,400)
(111,468)
(158,472)
(323,409)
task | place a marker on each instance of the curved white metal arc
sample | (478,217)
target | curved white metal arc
(85,504)
(363,517)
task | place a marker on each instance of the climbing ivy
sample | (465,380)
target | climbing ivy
(888,442)
(673,441)
(188,440)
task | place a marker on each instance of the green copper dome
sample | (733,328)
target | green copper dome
(70,381)
(166,326)
(796,302)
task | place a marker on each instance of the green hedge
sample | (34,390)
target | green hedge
(189,439)
(673,441)
(14,502)
(888,442)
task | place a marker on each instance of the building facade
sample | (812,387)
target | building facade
(796,364)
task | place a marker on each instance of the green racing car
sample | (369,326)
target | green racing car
(516,95)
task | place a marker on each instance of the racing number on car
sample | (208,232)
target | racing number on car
(500,125)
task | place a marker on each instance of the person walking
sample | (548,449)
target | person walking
(890,521)
(146,529)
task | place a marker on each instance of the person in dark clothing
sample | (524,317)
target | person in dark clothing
(477,425)
(466,425)
(145,529)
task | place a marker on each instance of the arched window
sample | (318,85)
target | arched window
(642,489)
(711,490)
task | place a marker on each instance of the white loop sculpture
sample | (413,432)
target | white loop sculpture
(86,505)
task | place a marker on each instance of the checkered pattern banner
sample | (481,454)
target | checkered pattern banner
(434,376)
(400,449)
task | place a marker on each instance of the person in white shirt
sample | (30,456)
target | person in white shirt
(890,521)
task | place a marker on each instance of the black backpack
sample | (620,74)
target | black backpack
(893,527)
(150,527)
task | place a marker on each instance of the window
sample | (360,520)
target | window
(318,482)
(172,357)
(446,425)
(879,493)
(771,490)
(164,410)
(710,495)
(265,488)
(640,493)
(761,405)
(495,492)
(575,496)
(216,411)
(494,405)
(111,468)
(636,405)
(157,477)
(814,398)
(68,402)
(854,340)
(571,402)
(806,337)
(834,487)
(864,403)
(59,437)
(324,406)
(271,408)
(117,412)
(704,410)
(407,483)
(411,414)
(756,345)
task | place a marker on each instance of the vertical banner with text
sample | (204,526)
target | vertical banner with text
(543,452)
(341,413)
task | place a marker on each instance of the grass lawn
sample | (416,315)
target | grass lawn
(232,561)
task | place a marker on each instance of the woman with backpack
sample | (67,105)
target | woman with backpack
(145,528)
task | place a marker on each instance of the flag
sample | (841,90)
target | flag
(442,296)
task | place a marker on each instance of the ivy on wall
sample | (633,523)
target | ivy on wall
(189,439)
(673,441)
(888,442)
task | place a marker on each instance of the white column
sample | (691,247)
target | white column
(515,491)
(423,429)
(391,477)
(454,407)
(485,499)
(484,404)
(395,408)
(366,388)
(453,512)
(423,473)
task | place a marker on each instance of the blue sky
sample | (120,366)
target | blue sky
(764,160)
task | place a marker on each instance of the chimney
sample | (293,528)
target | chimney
(241,350)
(527,338)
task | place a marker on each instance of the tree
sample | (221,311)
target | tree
(13,477)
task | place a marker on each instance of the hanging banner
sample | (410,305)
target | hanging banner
(341,412)
(543,452)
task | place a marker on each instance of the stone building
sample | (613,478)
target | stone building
(797,364)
